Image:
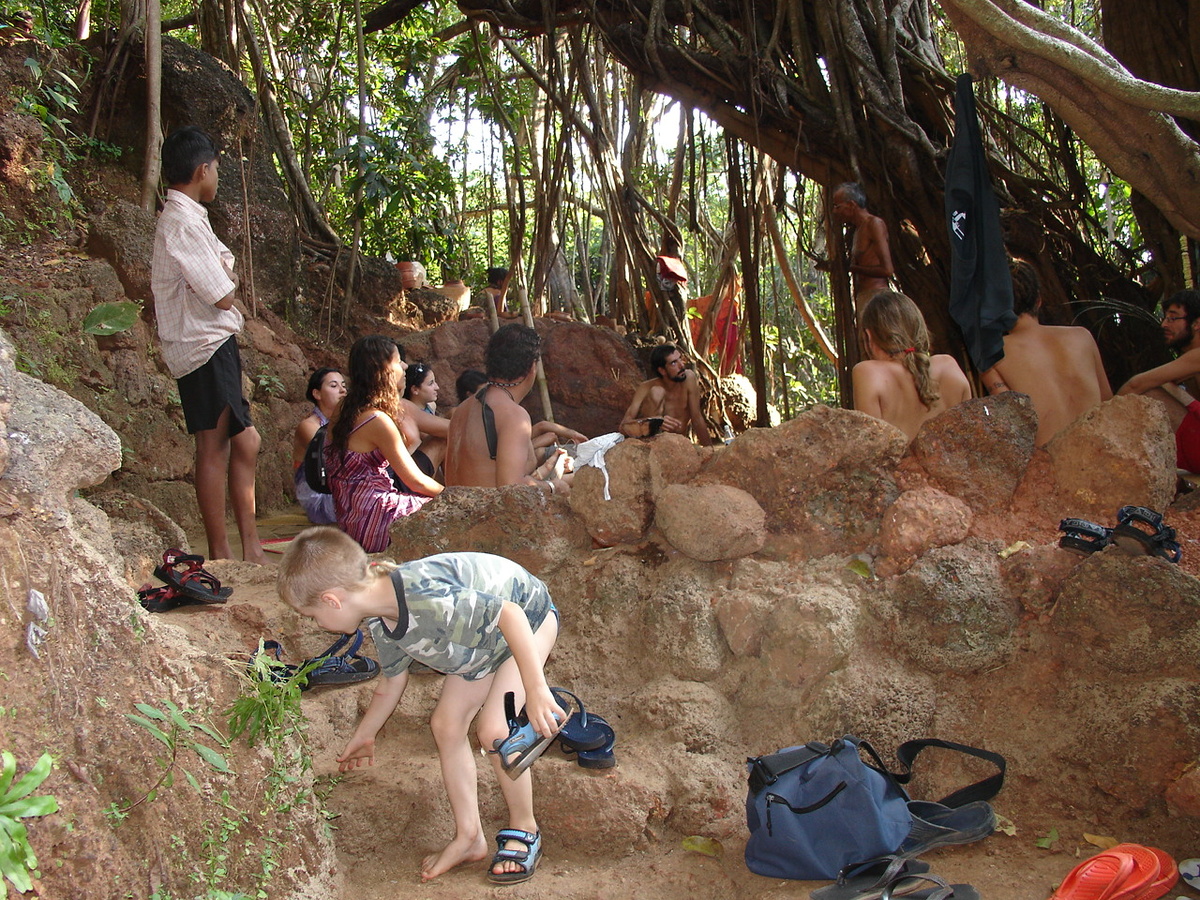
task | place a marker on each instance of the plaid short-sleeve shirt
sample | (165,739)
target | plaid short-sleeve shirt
(187,276)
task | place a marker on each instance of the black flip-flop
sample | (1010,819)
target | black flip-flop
(582,730)
(868,880)
(164,599)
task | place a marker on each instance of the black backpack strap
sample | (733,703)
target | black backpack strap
(765,770)
(489,421)
(984,789)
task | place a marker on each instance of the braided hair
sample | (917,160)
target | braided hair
(898,329)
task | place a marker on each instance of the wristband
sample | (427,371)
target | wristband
(553,489)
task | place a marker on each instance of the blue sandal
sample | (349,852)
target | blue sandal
(527,859)
(1141,531)
(523,745)
(335,667)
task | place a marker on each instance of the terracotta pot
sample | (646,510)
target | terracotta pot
(411,274)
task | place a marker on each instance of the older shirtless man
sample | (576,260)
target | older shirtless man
(870,252)
(490,442)
(1057,366)
(1181,330)
(669,402)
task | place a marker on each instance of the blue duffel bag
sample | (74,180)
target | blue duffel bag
(816,808)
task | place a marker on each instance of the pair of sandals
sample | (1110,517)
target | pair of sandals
(892,876)
(186,583)
(586,735)
(338,665)
(1139,531)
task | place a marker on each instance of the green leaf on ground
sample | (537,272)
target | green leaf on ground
(1049,840)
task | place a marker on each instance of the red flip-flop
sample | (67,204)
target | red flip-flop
(1168,874)
(1120,873)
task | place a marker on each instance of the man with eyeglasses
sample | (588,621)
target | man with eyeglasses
(1181,330)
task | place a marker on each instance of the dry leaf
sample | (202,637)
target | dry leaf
(1099,840)
(1015,548)
(1006,826)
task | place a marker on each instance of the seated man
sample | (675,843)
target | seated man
(1181,330)
(491,435)
(668,402)
(1057,366)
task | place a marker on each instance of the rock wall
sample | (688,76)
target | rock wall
(815,579)
(73,674)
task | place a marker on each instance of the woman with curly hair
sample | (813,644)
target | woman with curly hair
(901,382)
(366,444)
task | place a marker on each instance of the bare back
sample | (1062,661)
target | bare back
(885,389)
(468,458)
(1057,366)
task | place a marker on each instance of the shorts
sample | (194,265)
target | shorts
(217,384)
(423,462)
(1187,439)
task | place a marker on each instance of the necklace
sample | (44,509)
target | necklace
(504,386)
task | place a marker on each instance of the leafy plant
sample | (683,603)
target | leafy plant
(270,383)
(17,859)
(269,705)
(111,318)
(174,731)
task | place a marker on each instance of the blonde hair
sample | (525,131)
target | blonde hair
(898,329)
(321,559)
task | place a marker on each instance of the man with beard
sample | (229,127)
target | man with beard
(1181,329)
(670,402)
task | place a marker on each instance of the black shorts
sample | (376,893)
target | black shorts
(215,385)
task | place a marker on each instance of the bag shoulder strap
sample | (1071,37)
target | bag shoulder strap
(984,789)
(489,421)
(765,770)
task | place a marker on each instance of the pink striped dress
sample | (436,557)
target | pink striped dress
(365,497)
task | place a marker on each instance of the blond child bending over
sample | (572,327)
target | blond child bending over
(484,622)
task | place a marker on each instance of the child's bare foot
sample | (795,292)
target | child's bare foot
(457,852)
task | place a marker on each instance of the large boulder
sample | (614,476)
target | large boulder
(626,513)
(951,612)
(921,520)
(74,449)
(824,479)
(1120,453)
(123,234)
(711,522)
(525,524)
(979,450)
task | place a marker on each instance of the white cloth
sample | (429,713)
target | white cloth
(591,453)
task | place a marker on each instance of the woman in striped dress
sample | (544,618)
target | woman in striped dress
(365,443)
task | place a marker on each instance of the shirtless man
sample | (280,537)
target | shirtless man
(870,252)
(1057,366)
(900,382)
(1181,329)
(508,457)
(673,397)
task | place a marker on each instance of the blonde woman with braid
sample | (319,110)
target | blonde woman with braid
(901,382)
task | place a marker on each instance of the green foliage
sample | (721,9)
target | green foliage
(178,734)
(111,318)
(269,704)
(17,859)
